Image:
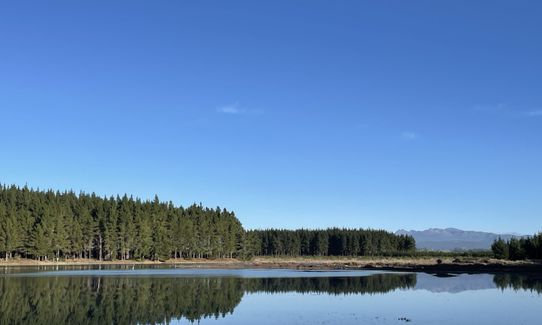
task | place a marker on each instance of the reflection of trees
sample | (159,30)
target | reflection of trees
(378,283)
(113,300)
(532,282)
(131,300)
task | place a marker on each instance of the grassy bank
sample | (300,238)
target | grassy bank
(422,263)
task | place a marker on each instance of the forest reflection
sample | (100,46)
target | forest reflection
(518,281)
(150,300)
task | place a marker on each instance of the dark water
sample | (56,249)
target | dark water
(180,296)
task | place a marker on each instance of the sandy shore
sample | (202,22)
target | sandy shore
(316,263)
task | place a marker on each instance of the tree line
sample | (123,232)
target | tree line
(52,225)
(518,248)
(330,242)
(46,224)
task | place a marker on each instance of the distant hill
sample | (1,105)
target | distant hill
(450,239)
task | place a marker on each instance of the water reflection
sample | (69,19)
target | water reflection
(130,300)
(531,282)
(147,300)
(454,283)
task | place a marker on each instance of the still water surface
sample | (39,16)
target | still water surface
(150,295)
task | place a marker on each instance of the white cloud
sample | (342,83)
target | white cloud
(236,109)
(409,136)
(230,109)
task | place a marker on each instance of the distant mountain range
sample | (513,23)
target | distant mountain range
(450,239)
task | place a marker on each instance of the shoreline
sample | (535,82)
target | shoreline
(427,265)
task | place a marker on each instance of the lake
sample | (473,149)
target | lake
(155,294)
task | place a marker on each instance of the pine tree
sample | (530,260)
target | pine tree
(187,237)
(143,239)
(41,238)
(59,234)
(3,231)
(110,232)
(500,249)
(89,227)
(75,238)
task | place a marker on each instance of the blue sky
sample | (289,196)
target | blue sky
(382,114)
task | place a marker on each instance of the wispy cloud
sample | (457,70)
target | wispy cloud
(535,113)
(229,109)
(506,111)
(236,109)
(491,108)
(409,136)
